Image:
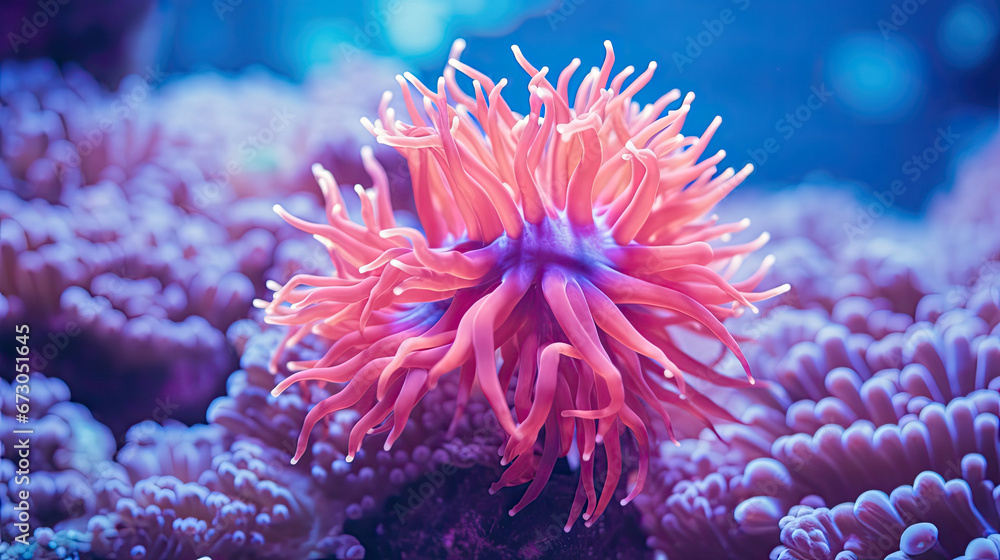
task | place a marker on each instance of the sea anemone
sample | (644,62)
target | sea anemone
(567,251)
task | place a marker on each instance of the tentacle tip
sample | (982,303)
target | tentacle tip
(277,209)
(273,285)
(512,512)
(296,459)
(586,516)
(349,458)
(567,528)
(259,303)
(277,390)
(607,43)
(599,439)
(784,288)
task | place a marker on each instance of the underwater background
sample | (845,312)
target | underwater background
(145,143)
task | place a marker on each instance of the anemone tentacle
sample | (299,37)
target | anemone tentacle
(562,253)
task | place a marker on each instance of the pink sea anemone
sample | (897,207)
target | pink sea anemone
(563,269)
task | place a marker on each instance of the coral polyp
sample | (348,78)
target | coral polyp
(564,269)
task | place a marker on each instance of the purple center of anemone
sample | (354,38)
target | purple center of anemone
(554,243)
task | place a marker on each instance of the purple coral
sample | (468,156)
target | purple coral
(934,518)
(70,452)
(915,401)
(357,488)
(112,243)
(966,221)
(868,371)
(824,264)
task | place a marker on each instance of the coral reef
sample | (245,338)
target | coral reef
(114,244)
(864,400)
(137,228)
(966,217)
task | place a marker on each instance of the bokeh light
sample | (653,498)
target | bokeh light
(877,78)
(967,35)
